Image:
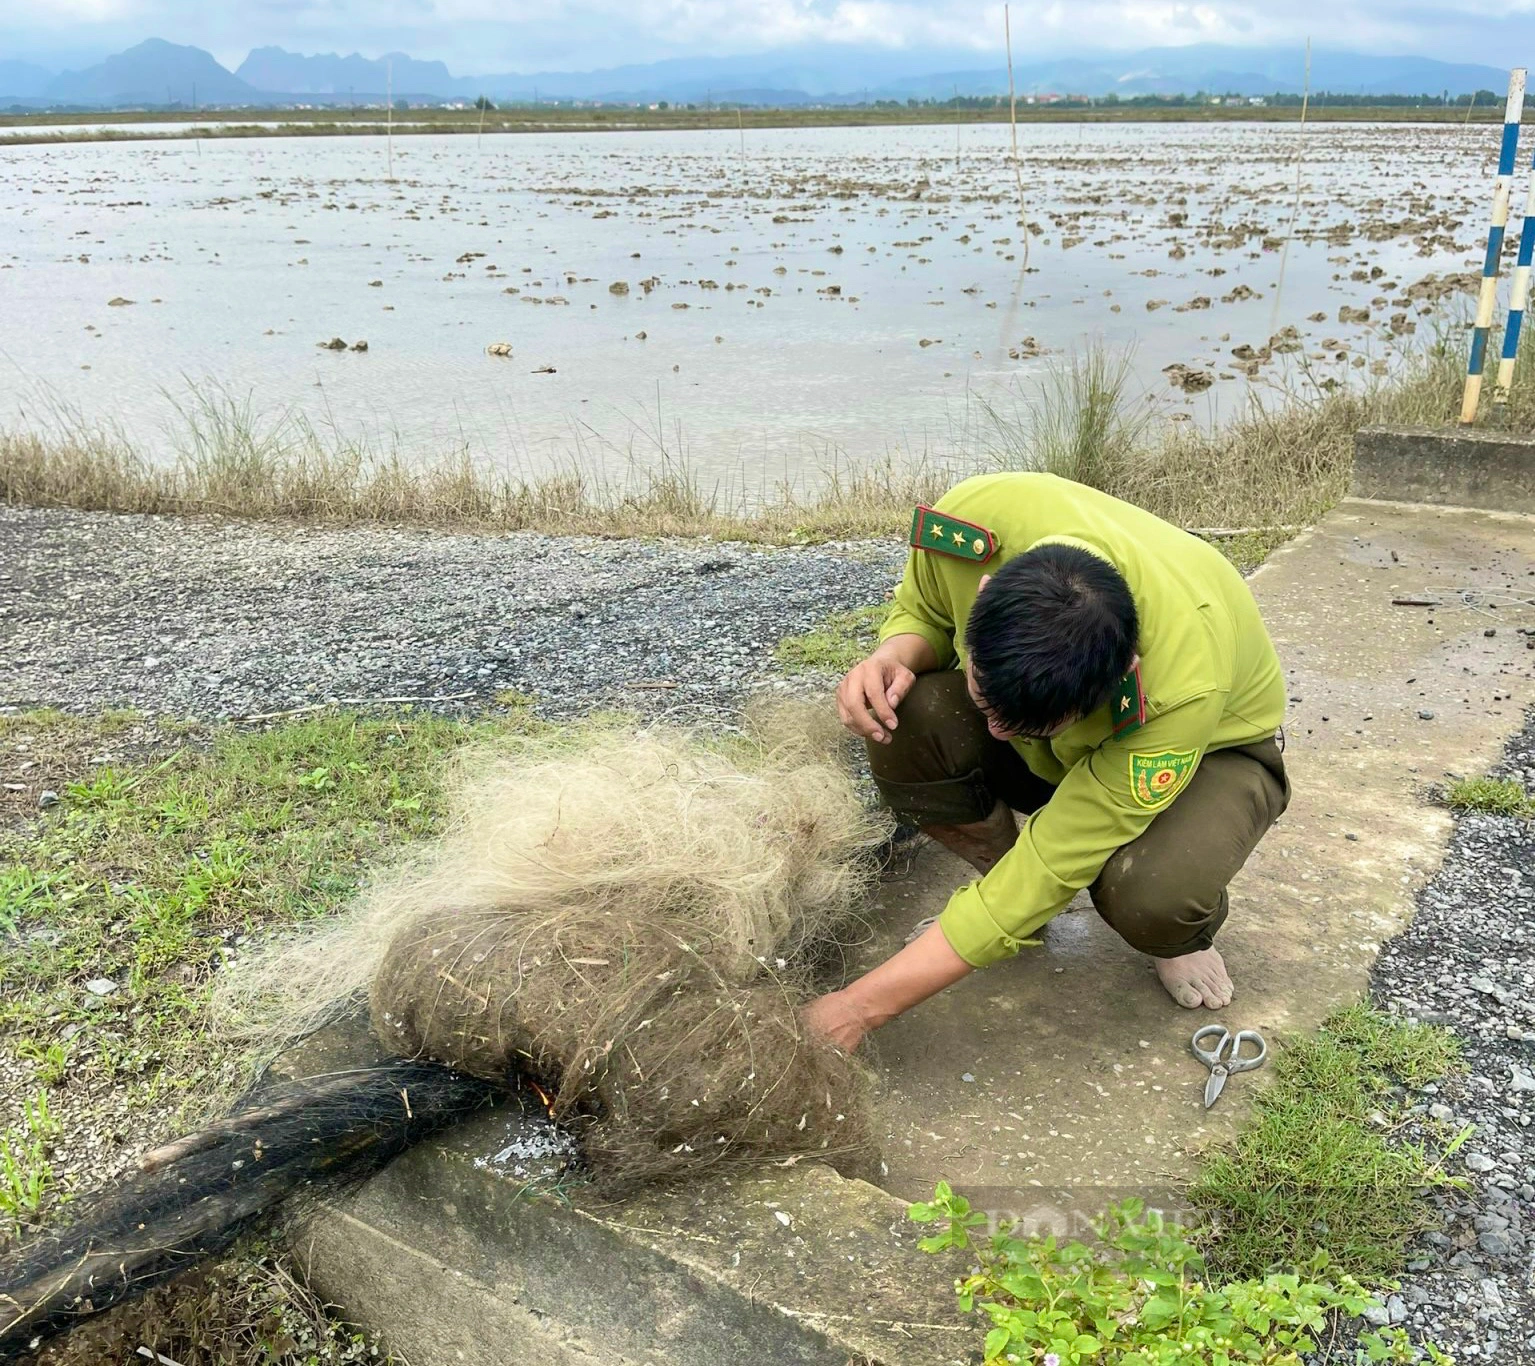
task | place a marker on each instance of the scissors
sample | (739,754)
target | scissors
(1221,1062)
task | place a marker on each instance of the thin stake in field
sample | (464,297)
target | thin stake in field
(1012,118)
(389,114)
(1518,298)
(1300,156)
(1487,301)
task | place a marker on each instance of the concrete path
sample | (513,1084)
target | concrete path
(1063,1077)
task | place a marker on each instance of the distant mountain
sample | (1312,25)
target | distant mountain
(273,69)
(154,72)
(160,73)
(21,79)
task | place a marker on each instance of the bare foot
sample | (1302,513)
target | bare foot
(1196,979)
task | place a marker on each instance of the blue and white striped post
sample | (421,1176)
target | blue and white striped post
(1519,297)
(1487,300)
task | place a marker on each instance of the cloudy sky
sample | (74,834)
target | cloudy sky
(476,36)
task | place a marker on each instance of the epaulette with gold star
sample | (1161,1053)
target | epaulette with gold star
(1129,705)
(944,535)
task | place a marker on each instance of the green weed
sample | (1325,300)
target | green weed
(836,644)
(1141,1295)
(26,1175)
(51,1058)
(1495,796)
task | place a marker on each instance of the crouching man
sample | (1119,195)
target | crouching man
(1055,652)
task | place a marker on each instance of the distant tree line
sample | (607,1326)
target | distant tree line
(1329,98)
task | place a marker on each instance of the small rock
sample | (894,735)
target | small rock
(1396,1306)
(334,344)
(47,797)
(359,346)
(1425,716)
(967,1076)
(119,302)
(101,986)
(499,349)
(1494,1244)
(1377,1316)
(1492,1297)
(1479,1162)
(1187,378)
(1441,1112)
(1520,1080)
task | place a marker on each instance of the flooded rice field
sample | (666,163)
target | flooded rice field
(761,303)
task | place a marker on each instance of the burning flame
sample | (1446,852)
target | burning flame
(544,1096)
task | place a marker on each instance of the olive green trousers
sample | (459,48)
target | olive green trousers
(1165,892)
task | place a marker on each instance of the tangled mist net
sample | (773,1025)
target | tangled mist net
(632,919)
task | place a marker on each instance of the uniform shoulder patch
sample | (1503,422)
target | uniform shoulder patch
(944,535)
(1155,779)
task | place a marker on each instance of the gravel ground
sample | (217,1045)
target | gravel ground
(208,620)
(1467,961)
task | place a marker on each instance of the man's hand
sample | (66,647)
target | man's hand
(837,1018)
(868,696)
(923,968)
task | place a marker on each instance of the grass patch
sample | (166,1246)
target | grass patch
(1494,796)
(152,868)
(1316,1169)
(836,644)
(1279,462)
(149,872)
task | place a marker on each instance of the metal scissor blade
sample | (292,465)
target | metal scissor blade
(1214,1086)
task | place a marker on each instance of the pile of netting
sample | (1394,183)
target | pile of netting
(633,920)
(629,920)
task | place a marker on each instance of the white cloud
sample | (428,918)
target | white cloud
(484,35)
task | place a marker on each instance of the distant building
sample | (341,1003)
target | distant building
(1257,100)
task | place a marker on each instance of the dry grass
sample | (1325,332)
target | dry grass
(232,462)
(1282,460)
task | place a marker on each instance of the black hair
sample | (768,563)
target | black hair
(1050,637)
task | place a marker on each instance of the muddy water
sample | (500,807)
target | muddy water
(762,304)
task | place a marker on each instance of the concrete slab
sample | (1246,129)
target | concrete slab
(456,1263)
(1063,1078)
(1461,466)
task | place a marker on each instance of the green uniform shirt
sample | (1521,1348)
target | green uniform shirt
(1209,673)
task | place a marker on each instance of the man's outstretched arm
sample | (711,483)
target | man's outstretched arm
(923,968)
